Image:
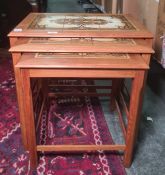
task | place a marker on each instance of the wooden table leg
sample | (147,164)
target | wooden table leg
(134,115)
(116,88)
(16,57)
(29,117)
(146,58)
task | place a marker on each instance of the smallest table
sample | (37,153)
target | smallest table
(31,67)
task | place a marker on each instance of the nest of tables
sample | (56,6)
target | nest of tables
(48,47)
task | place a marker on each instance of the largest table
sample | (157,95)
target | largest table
(80,33)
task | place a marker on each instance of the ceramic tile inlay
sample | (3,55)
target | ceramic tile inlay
(81,22)
(83,55)
(81,41)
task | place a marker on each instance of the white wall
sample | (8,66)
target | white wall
(144,10)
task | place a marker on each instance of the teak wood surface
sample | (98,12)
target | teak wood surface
(134,61)
(45,52)
(23,29)
(79,47)
(138,79)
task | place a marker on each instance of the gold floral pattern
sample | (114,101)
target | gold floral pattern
(83,55)
(81,40)
(82,22)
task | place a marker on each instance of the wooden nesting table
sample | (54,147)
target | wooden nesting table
(80,46)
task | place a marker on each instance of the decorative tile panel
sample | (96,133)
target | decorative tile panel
(81,41)
(83,55)
(81,22)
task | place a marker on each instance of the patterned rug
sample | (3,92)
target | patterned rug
(13,159)
(80,121)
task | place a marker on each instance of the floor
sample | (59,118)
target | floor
(149,158)
(150,149)
(64,6)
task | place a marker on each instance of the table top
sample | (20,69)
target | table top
(82,61)
(78,45)
(79,25)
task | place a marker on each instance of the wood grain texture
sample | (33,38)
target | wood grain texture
(16,57)
(134,61)
(51,94)
(90,50)
(24,31)
(78,73)
(123,127)
(78,47)
(29,117)
(134,114)
(73,148)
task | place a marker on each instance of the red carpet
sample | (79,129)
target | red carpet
(76,121)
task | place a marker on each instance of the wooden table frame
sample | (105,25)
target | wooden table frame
(138,77)
(24,74)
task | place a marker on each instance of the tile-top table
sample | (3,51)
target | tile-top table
(79,46)
(80,25)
